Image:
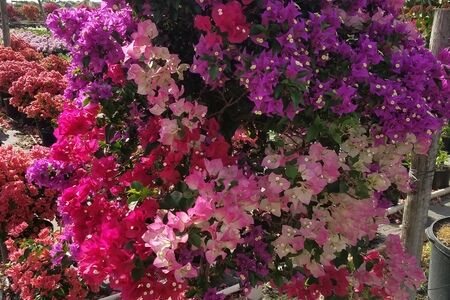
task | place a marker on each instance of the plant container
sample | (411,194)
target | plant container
(441,179)
(438,277)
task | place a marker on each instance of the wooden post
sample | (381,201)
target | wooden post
(41,9)
(422,168)
(5,23)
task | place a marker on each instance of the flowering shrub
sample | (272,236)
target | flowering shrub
(42,43)
(50,7)
(55,63)
(269,161)
(7,53)
(13,14)
(31,55)
(10,71)
(21,201)
(31,12)
(39,94)
(33,274)
(18,44)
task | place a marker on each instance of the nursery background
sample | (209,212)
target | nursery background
(224,149)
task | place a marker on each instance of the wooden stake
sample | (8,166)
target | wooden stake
(422,168)
(5,23)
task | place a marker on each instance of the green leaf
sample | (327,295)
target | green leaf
(341,259)
(257,29)
(191,293)
(291,171)
(213,71)
(358,260)
(137,273)
(278,278)
(315,131)
(86,61)
(137,185)
(343,187)
(25,255)
(362,190)
(195,239)
(335,134)
(86,101)
(296,97)
(150,147)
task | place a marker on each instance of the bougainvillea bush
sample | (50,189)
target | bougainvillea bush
(30,12)
(35,83)
(42,42)
(22,203)
(34,273)
(39,94)
(253,140)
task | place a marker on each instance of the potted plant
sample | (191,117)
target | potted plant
(445,138)
(442,171)
(438,280)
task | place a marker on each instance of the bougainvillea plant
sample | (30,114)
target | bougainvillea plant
(35,275)
(36,83)
(30,12)
(39,93)
(22,202)
(264,153)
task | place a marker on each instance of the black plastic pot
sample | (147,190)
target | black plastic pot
(446,143)
(441,179)
(438,276)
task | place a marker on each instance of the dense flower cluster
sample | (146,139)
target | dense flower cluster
(33,275)
(30,12)
(13,13)
(11,70)
(8,54)
(94,39)
(366,75)
(21,201)
(55,63)
(39,94)
(42,43)
(164,192)
(35,82)
(386,272)
(51,173)
(50,7)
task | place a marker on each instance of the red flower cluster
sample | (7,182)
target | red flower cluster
(31,12)
(55,63)
(31,55)
(45,106)
(19,200)
(50,7)
(35,83)
(229,19)
(33,274)
(11,70)
(18,44)
(7,53)
(27,89)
